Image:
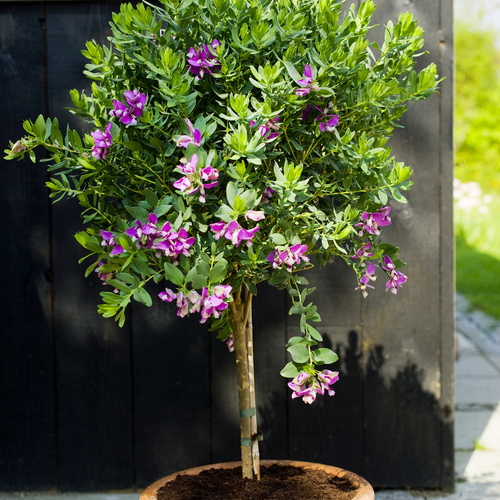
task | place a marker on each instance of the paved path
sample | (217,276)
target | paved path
(477,416)
(477,419)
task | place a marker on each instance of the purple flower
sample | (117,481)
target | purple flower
(219,229)
(330,125)
(290,256)
(307,83)
(203,60)
(298,383)
(210,305)
(230,342)
(305,113)
(122,112)
(168,295)
(173,244)
(266,130)
(185,184)
(373,221)
(194,179)
(366,278)
(328,121)
(144,234)
(326,379)
(237,234)
(255,215)
(102,142)
(128,113)
(308,393)
(181,302)
(194,138)
(267,195)
(182,305)
(363,253)
(396,278)
(223,291)
(209,174)
(108,239)
(136,101)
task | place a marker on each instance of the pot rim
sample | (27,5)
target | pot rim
(365,490)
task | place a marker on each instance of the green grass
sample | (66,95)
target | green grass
(478,257)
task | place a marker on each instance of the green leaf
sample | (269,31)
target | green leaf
(151,198)
(142,296)
(314,333)
(132,145)
(218,272)
(291,370)
(138,213)
(324,355)
(299,353)
(199,281)
(173,274)
(39,127)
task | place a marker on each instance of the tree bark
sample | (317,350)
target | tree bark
(241,319)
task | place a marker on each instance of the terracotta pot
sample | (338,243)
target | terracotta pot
(364,491)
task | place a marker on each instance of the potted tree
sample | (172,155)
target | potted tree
(235,142)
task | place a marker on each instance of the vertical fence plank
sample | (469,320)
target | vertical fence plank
(329,430)
(171,386)
(27,430)
(93,355)
(405,364)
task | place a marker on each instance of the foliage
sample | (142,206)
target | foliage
(477,165)
(477,106)
(235,140)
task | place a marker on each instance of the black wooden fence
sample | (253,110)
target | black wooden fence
(86,406)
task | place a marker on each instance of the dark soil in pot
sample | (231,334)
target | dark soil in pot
(278,482)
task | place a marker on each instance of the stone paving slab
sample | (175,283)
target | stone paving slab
(490,438)
(470,392)
(470,365)
(469,428)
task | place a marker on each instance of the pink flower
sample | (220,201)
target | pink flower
(396,278)
(130,112)
(102,142)
(373,221)
(363,252)
(307,83)
(308,393)
(366,278)
(237,234)
(194,179)
(255,215)
(168,295)
(203,60)
(194,138)
(219,229)
(108,239)
(290,256)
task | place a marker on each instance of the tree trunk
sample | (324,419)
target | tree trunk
(241,318)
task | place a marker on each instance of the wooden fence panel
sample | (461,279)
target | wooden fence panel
(27,427)
(93,355)
(87,406)
(405,362)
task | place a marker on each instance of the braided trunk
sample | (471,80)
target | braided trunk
(241,319)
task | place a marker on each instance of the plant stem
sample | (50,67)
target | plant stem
(241,318)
